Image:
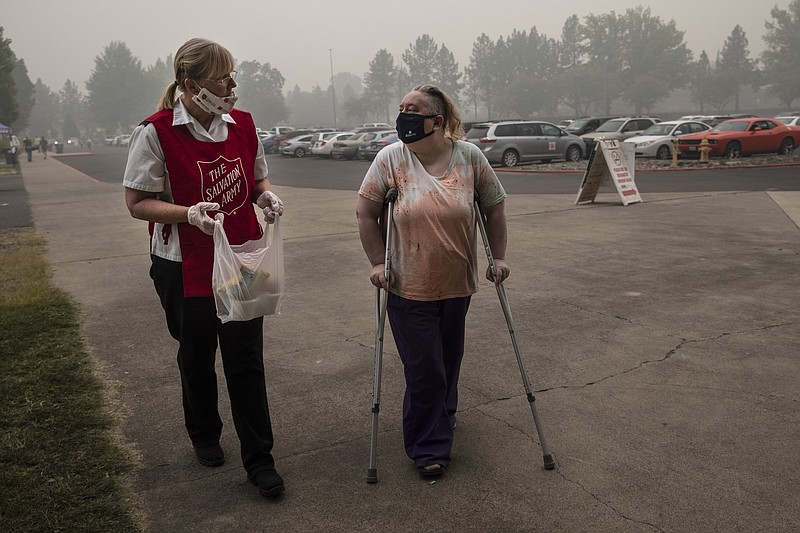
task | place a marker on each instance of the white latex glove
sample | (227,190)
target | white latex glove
(198,217)
(271,204)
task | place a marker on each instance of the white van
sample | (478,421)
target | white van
(277,129)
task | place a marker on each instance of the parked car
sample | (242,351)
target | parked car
(298,146)
(618,129)
(122,140)
(713,120)
(286,135)
(737,137)
(510,143)
(375,136)
(323,145)
(346,149)
(270,143)
(656,141)
(790,120)
(109,141)
(280,130)
(582,125)
(377,145)
(367,129)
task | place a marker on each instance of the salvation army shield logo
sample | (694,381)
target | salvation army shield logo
(223,181)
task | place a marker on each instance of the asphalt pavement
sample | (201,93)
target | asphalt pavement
(661,339)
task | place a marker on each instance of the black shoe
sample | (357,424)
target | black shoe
(210,455)
(269,483)
(434,470)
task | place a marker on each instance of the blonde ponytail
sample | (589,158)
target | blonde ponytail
(196,59)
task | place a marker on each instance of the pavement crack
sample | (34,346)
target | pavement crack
(607,504)
(488,415)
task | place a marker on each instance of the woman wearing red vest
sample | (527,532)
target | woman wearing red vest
(196,157)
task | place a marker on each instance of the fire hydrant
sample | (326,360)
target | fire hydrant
(704,149)
(674,152)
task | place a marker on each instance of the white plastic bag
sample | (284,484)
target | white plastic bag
(248,279)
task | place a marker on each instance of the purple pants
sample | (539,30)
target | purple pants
(430,339)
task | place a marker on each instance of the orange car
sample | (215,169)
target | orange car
(737,137)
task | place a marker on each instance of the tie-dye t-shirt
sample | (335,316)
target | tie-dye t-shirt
(434,241)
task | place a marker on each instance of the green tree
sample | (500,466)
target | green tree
(710,86)
(570,51)
(261,92)
(9,110)
(603,44)
(357,109)
(25,96)
(347,83)
(481,84)
(735,64)
(578,87)
(70,102)
(44,115)
(447,75)
(570,81)
(420,60)
(699,75)
(380,83)
(531,61)
(118,92)
(781,59)
(654,59)
(310,109)
(159,75)
(348,87)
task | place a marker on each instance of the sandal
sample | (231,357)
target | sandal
(433,470)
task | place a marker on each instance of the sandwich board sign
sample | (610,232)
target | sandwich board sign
(614,160)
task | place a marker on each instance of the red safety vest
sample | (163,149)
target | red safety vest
(220,172)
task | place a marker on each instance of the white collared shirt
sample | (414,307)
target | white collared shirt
(147,171)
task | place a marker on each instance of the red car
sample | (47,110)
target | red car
(737,137)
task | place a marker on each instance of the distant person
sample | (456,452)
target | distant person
(43,146)
(197,137)
(28,144)
(14,144)
(89,144)
(434,259)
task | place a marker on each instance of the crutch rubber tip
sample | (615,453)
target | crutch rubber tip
(549,463)
(372,475)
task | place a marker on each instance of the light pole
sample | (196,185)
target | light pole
(333,89)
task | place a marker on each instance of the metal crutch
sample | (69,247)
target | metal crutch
(549,463)
(380,320)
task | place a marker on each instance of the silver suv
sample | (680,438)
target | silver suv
(509,143)
(618,129)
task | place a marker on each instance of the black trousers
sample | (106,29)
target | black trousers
(194,324)
(430,340)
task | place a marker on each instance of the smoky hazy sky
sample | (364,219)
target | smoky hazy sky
(60,40)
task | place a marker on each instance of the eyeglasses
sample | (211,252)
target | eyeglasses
(225,80)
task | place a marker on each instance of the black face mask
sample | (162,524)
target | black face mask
(411,127)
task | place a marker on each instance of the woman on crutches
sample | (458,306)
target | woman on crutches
(434,259)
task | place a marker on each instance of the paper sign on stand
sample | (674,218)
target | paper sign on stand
(615,160)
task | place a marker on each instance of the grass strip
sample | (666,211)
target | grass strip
(60,466)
